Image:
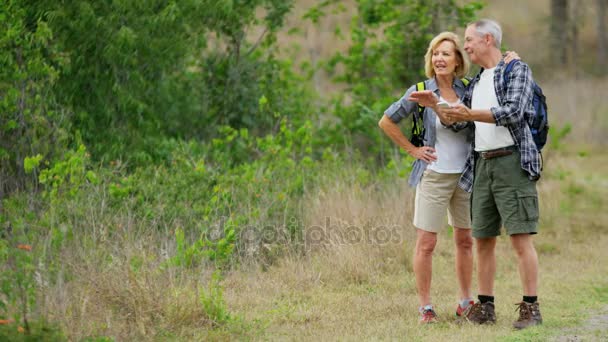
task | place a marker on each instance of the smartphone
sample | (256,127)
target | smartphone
(443,104)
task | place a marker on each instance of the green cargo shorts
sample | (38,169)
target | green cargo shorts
(503,195)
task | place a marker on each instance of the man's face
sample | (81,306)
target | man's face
(474,44)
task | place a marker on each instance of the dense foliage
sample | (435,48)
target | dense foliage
(179,117)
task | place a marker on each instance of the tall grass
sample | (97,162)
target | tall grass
(116,281)
(366,290)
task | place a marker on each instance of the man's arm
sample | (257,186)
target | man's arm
(455,117)
(518,94)
(461,112)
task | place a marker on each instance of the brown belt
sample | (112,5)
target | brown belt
(497,153)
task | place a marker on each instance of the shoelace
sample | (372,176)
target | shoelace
(429,314)
(472,310)
(524,311)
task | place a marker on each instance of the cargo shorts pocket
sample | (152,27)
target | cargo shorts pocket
(528,205)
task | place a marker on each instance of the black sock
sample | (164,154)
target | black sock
(530,299)
(485,299)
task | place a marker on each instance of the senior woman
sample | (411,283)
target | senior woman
(436,171)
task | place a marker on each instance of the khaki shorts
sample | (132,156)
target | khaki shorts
(436,193)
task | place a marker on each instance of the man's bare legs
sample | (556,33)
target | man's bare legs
(486,265)
(527,262)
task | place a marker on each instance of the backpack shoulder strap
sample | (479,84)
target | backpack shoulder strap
(465,81)
(420,86)
(508,69)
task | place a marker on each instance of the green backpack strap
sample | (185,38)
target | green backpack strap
(465,81)
(420,86)
(418,125)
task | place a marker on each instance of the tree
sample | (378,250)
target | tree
(32,123)
(244,83)
(139,72)
(602,35)
(559,31)
(126,66)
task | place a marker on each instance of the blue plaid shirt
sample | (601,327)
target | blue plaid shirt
(515,112)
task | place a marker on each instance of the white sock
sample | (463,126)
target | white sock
(464,303)
(426,307)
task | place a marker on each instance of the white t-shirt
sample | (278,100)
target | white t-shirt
(488,136)
(451,149)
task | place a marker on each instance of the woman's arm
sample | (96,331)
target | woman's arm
(424,153)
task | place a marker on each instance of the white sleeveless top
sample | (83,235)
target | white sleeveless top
(451,148)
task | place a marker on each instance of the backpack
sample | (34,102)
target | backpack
(540,123)
(417,136)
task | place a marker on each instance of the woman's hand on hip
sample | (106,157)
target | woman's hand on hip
(424,153)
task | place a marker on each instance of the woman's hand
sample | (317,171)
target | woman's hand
(425,98)
(424,153)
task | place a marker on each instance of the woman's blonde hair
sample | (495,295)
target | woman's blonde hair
(463,63)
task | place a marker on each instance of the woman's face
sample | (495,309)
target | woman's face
(444,59)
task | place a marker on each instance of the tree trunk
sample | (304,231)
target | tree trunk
(559,31)
(575,19)
(439,10)
(602,37)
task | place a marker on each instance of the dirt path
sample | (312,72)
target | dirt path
(593,329)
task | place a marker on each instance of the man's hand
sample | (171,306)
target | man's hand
(442,114)
(425,98)
(459,112)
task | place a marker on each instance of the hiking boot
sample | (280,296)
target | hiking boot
(460,310)
(529,315)
(480,313)
(428,315)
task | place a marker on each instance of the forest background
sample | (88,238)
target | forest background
(200,169)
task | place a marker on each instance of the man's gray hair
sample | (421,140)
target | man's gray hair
(491,27)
